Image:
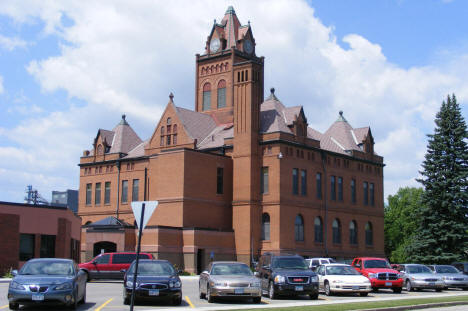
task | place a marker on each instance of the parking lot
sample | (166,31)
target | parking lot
(107,295)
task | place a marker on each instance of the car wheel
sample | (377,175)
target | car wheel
(409,288)
(13,306)
(363,294)
(314,296)
(327,288)
(375,289)
(87,276)
(438,290)
(126,299)
(177,301)
(397,290)
(202,295)
(209,298)
(271,291)
(83,299)
(257,299)
(74,304)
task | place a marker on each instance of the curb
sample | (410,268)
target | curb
(418,307)
(5,280)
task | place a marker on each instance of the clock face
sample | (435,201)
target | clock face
(215,44)
(248,46)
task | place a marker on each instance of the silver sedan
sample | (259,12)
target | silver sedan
(229,279)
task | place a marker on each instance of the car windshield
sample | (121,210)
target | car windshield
(290,263)
(341,270)
(418,269)
(48,267)
(230,269)
(446,269)
(152,268)
(375,263)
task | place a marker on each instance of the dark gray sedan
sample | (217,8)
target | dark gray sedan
(229,279)
(47,281)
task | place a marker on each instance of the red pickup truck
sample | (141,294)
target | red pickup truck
(379,272)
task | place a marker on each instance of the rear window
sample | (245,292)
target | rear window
(127,258)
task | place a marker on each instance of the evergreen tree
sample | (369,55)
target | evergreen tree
(441,235)
(401,222)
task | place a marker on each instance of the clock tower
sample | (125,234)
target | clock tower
(229,87)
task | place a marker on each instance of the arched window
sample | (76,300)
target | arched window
(318,229)
(353,232)
(265,226)
(206,97)
(299,228)
(369,234)
(336,226)
(169,121)
(174,129)
(99,149)
(163,130)
(222,94)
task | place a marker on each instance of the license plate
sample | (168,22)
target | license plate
(388,283)
(154,292)
(355,287)
(37,297)
(299,288)
(431,284)
(238,291)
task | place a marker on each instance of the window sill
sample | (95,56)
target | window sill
(300,242)
(354,245)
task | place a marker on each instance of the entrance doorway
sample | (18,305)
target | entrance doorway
(108,247)
(200,260)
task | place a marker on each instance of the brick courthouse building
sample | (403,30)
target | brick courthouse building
(238,176)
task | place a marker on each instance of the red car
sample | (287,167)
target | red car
(379,272)
(110,265)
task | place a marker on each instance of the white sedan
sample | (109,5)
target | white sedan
(341,278)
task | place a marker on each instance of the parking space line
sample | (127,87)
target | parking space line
(104,304)
(189,302)
(3,307)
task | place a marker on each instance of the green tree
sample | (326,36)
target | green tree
(441,234)
(401,222)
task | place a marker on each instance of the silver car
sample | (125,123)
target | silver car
(417,276)
(229,279)
(452,276)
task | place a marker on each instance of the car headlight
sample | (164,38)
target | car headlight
(372,275)
(280,279)
(63,286)
(16,285)
(255,284)
(337,281)
(130,284)
(416,279)
(400,275)
(314,279)
(217,284)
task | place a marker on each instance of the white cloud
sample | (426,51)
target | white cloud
(125,57)
(11,43)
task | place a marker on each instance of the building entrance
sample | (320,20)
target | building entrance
(104,247)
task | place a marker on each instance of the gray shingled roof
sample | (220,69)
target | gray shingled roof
(216,137)
(125,138)
(198,125)
(272,117)
(138,151)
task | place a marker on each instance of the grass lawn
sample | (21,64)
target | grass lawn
(371,305)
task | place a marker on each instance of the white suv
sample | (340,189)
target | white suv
(313,263)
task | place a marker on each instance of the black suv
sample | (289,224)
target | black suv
(286,275)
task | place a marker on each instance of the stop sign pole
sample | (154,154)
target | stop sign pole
(140,231)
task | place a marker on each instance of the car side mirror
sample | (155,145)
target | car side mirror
(357,266)
(123,270)
(94,262)
(256,274)
(205,272)
(266,267)
(14,272)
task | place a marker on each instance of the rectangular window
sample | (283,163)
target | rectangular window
(47,246)
(168,139)
(353,190)
(340,188)
(26,247)
(332,188)
(318,179)
(295,181)
(366,193)
(89,189)
(303,182)
(135,189)
(222,97)
(97,194)
(219,180)
(264,180)
(107,191)
(124,191)
(206,100)
(371,190)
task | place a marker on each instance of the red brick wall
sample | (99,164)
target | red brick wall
(9,244)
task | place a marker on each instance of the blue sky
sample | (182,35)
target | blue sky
(69,68)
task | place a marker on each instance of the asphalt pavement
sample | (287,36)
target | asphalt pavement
(107,296)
